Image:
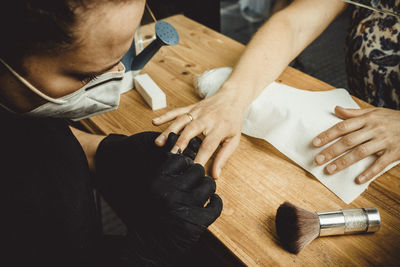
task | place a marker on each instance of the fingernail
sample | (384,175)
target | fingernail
(175,150)
(316,141)
(361,179)
(331,168)
(217,173)
(320,159)
(156,119)
(160,140)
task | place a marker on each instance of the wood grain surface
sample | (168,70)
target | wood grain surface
(258,178)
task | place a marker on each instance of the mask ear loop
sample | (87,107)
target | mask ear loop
(151,12)
(30,86)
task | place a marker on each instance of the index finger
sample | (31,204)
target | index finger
(339,129)
(171,115)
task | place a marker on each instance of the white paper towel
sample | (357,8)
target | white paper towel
(289,118)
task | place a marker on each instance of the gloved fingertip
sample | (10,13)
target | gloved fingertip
(192,176)
(171,140)
(175,163)
(211,183)
(215,204)
(172,156)
(214,209)
(189,153)
(189,161)
(195,143)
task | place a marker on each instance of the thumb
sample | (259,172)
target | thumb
(348,113)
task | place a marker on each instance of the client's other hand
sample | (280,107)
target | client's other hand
(363,132)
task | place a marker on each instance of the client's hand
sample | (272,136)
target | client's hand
(363,132)
(219,118)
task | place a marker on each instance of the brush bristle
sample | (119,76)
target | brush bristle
(296,227)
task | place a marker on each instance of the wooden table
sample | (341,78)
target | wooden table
(258,178)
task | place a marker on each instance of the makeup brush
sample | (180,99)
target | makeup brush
(297,227)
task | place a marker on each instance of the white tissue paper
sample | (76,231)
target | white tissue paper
(289,118)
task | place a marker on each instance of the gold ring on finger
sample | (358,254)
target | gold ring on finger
(190,116)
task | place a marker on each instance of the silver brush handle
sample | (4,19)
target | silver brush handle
(349,221)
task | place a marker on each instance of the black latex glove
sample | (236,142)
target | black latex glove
(177,214)
(160,196)
(126,166)
(138,151)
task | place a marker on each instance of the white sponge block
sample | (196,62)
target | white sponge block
(150,92)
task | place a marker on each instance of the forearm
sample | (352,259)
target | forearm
(264,59)
(276,44)
(89,143)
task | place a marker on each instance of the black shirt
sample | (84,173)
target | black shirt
(49,213)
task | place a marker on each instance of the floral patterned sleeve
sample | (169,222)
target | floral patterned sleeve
(373,54)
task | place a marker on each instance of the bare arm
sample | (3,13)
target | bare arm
(278,42)
(272,48)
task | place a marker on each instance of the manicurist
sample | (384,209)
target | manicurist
(60,60)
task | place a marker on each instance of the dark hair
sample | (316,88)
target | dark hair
(40,26)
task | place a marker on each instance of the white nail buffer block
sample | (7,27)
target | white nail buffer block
(150,92)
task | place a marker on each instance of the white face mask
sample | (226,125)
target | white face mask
(97,96)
